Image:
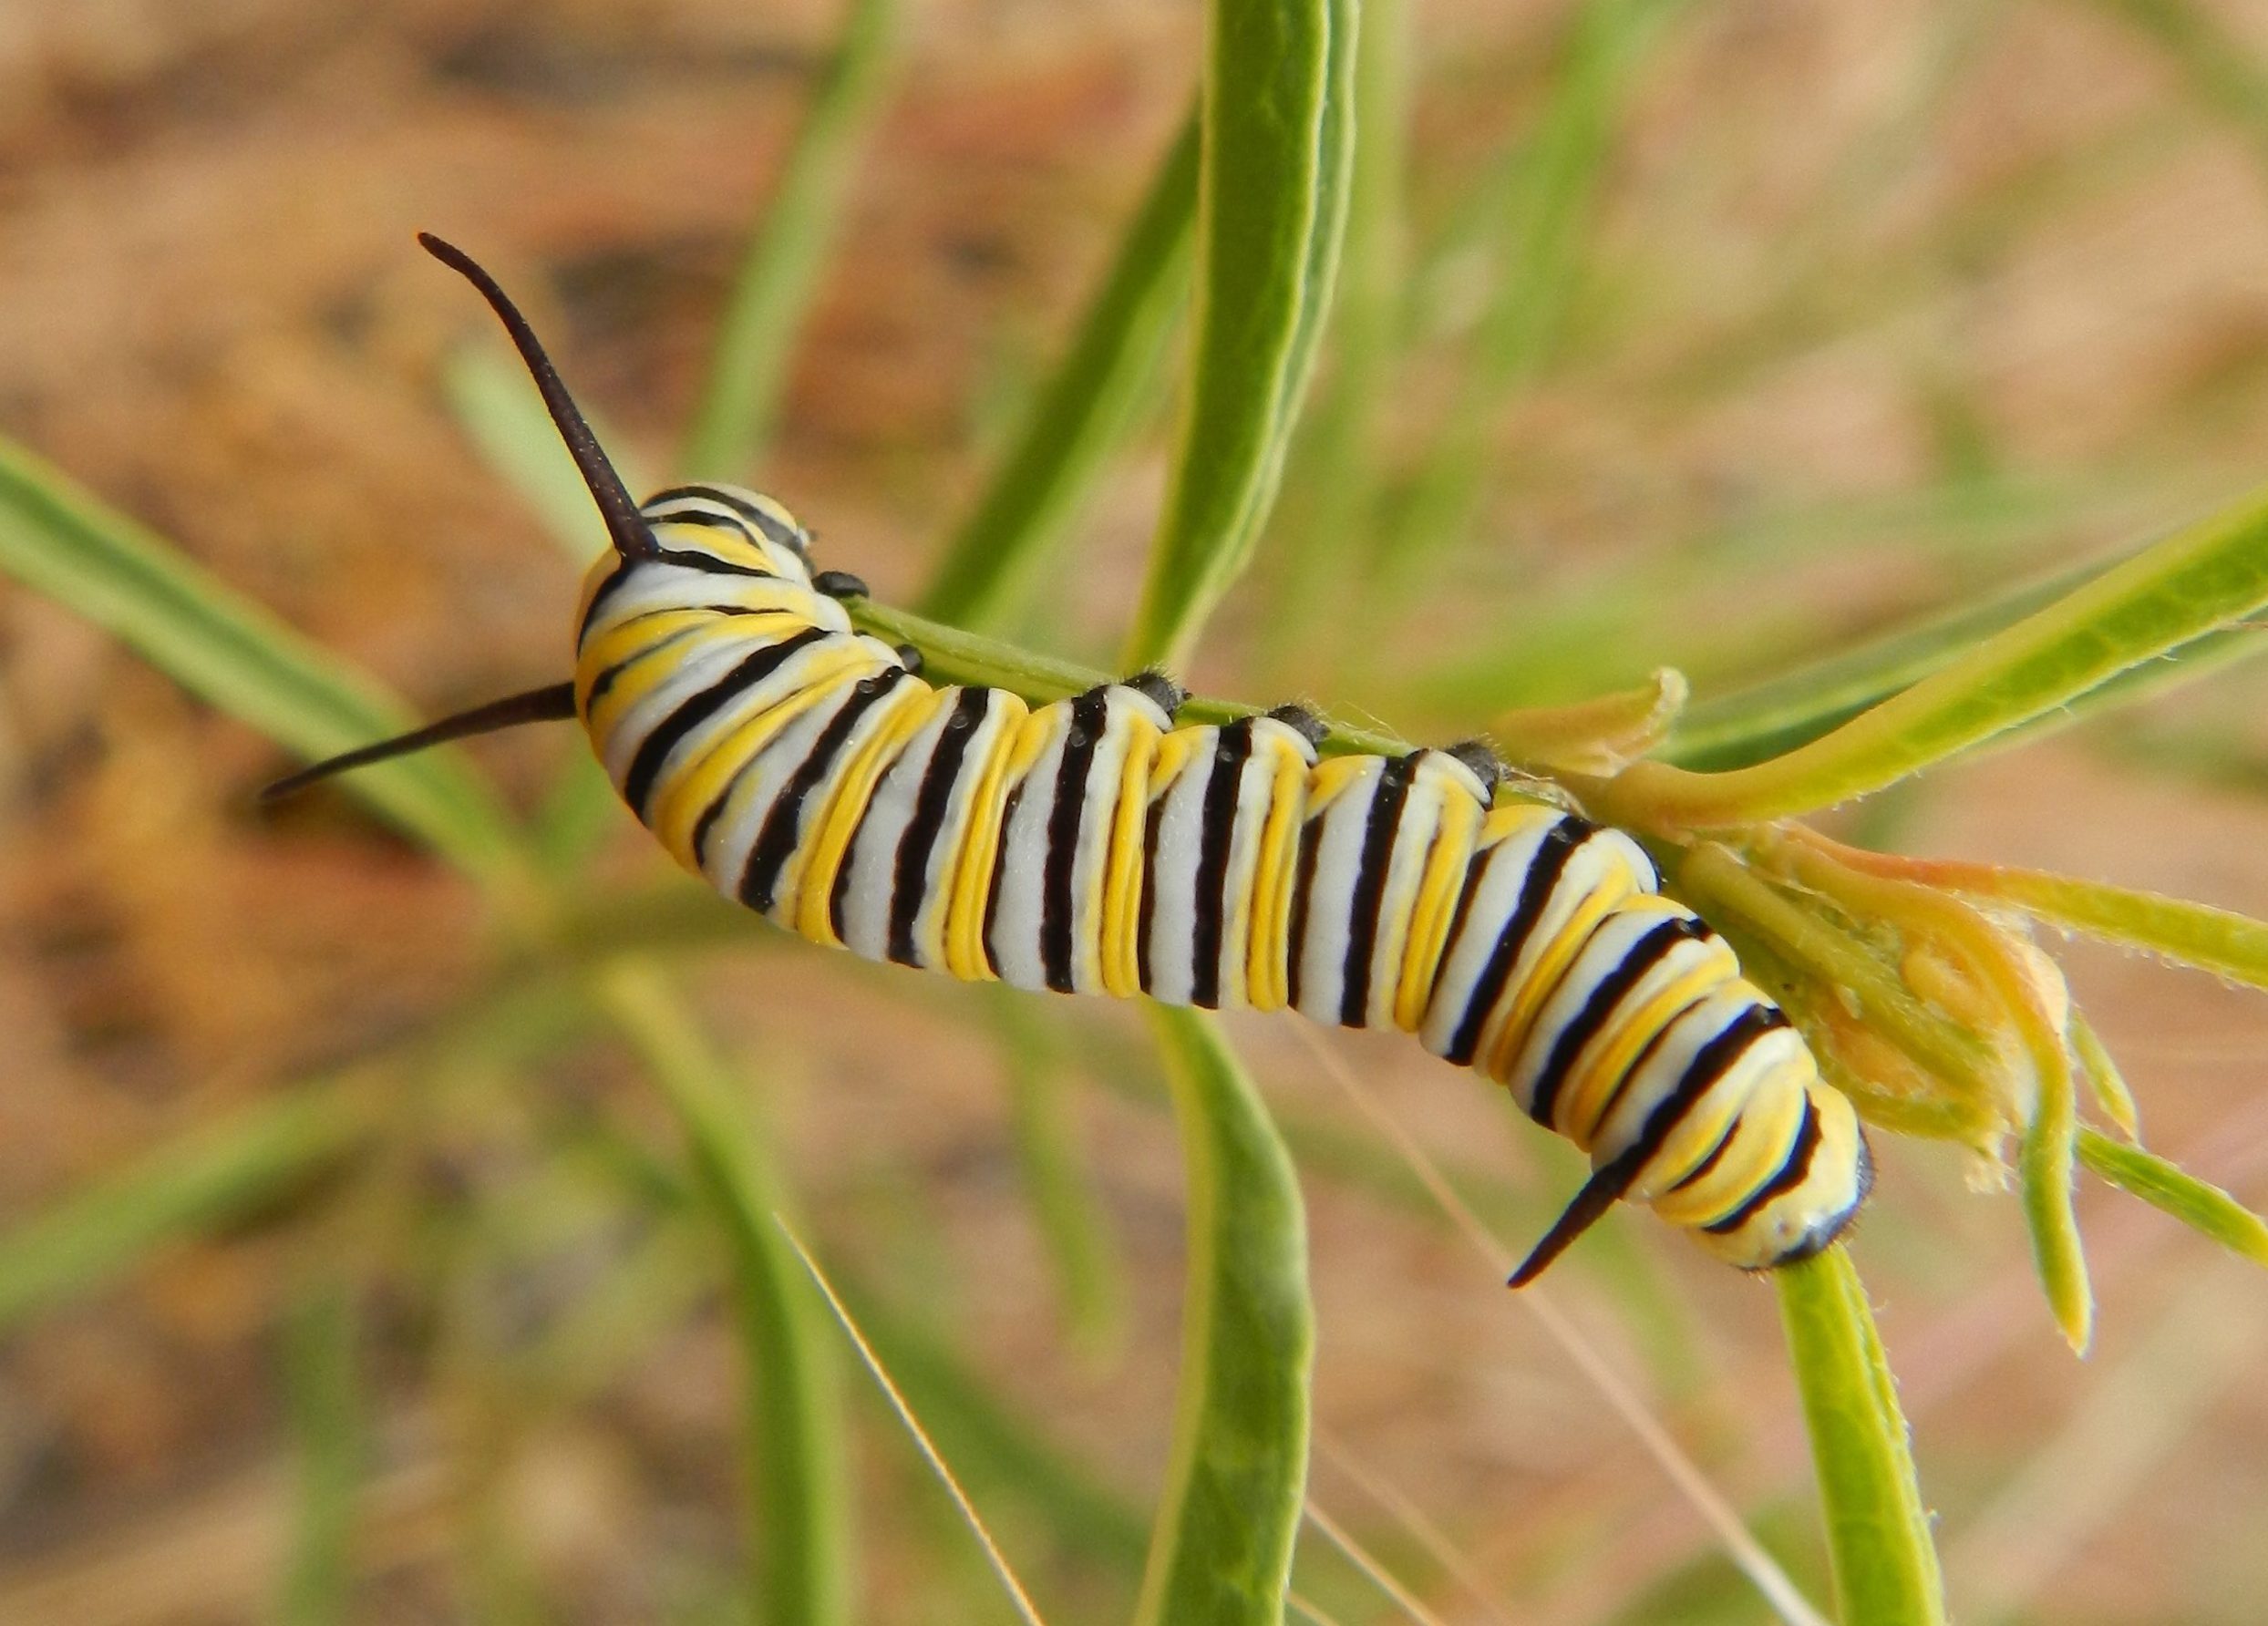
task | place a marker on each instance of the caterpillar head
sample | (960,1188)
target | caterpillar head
(628,530)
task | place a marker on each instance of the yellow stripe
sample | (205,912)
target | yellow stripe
(1510,819)
(728,546)
(642,678)
(1439,885)
(1267,979)
(1027,740)
(1584,1099)
(1770,1114)
(968,876)
(1122,867)
(685,790)
(1501,1048)
(1329,778)
(840,820)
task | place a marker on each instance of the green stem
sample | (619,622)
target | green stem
(782,269)
(1083,414)
(1878,1532)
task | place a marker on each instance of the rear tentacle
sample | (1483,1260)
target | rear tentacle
(552,702)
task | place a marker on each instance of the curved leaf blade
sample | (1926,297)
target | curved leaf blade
(2195,583)
(2205,1208)
(1271,204)
(799,1517)
(1083,413)
(63,542)
(748,370)
(326,1401)
(2218,941)
(1220,1552)
(1878,1533)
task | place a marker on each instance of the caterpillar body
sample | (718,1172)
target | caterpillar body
(1091,846)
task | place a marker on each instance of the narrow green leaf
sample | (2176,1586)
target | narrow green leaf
(2223,73)
(1542,206)
(61,540)
(2216,940)
(798,1517)
(1773,717)
(323,1396)
(1070,1219)
(2204,1208)
(221,1172)
(1331,494)
(2200,581)
(1270,202)
(990,1440)
(2045,1167)
(1083,413)
(749,368)
(2103,1076)
(500,413)
(1878,1533)
(489,395)
(1326,233)
(1221,1550)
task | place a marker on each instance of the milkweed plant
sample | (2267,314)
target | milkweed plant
(1267,240)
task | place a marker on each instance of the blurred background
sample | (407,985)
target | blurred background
(1713,336)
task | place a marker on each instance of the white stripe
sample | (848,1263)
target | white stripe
(757,785)
(1023,863)
(988,738)
(1338,860)
(871,863)
(1507,864)
(1173,874)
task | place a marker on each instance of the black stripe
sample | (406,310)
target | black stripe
(908,887)
(1000,866)
(1216,831)
(707,521)
(1599,1006)
(709,814)
(1709,1065)
(695,709)
(767,523)
(1090,712)
(1612,1180)
(1645,1052)
(783,821)
(1381,826)
(1303,882)
(615,577)
(1794,1169)
(1544,868)
(708,564)
(1476,873)
(608,675)
(1148,913)
(1716,1154)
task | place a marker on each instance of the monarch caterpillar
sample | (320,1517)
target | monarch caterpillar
(1090,845)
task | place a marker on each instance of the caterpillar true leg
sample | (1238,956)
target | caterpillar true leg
(1094,845)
